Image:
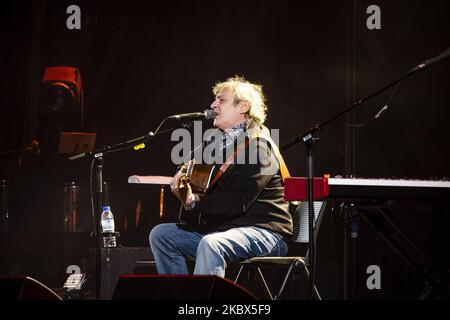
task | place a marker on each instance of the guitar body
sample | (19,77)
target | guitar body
(199,177)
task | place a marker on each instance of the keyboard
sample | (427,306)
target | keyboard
(359,189)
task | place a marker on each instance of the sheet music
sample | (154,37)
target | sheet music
(161,180)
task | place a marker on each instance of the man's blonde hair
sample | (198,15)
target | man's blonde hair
(245,91)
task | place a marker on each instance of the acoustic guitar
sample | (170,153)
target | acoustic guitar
(199,177)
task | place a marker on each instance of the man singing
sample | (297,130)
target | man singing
(243,214)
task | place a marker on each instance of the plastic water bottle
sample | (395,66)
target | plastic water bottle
(107,224)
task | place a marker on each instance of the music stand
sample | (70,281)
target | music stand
(76,142)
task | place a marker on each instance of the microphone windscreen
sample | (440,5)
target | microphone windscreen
(209,114)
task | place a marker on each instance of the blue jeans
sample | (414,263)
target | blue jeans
(171,245)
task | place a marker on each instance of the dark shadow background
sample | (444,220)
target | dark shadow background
(141,61)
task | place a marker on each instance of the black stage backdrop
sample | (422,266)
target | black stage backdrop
(141,61)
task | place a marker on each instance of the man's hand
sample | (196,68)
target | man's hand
(184,192)
(174,184)
(186,195)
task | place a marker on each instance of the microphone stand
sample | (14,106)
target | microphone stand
(98,160)
(310,139)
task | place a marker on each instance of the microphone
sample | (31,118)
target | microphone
(207,114)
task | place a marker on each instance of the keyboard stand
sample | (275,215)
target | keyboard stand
(377,215)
